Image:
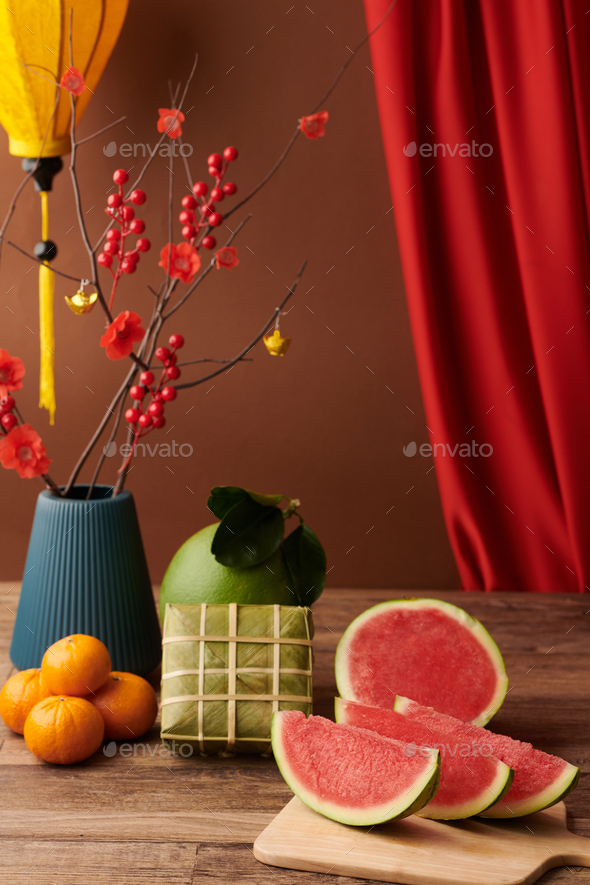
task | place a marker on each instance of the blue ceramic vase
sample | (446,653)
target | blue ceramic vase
(86,572)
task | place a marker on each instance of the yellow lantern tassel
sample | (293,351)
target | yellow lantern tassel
(46,332)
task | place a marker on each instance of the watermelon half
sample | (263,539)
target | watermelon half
(351,775)
(540,780)
(469,782)
(424,649)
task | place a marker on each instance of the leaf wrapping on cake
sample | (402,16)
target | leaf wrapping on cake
(255,664)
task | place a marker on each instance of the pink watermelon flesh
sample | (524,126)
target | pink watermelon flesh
(469,782)
(423,650)
(540,780)
(349,774)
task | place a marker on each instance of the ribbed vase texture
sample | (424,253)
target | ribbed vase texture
(86,572)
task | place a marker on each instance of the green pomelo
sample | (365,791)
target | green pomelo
(540,780)
(427,650)
(194,576)
(349,774)
(470,781)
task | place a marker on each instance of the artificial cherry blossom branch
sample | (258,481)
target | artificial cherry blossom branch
(148,344)
(207,270)
(158,144)
(324,98)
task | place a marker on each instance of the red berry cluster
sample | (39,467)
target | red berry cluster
(153,416)
(125,216)
(7,419)
(208,215)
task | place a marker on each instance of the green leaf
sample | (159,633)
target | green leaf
(306,561)
(265,500)
(223,498)
(248,534)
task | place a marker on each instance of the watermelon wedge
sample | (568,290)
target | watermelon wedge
(425,649)
(469,782)
(351,775)
(540,780)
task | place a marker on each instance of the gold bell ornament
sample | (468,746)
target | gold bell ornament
(81,302)
(275,343)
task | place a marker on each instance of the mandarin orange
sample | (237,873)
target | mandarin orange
(19,695)
(128,705)
(76,665)
(64,730)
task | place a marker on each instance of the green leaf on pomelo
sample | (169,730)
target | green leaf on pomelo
(266,500)
(306,562)
(194,577)
(223,498)
(248,534)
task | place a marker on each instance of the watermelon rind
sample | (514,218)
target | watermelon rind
(476,627)
(503,792)
(494,792)
(422,791)
(555,792)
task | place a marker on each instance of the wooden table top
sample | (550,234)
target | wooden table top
(161,819)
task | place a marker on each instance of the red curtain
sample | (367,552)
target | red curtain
(493,235)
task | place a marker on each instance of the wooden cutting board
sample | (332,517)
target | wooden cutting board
(424,852)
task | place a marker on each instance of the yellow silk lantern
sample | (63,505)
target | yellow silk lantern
(36,33)
(37,114)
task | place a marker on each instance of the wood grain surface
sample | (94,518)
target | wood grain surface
(151,818)
(422,852)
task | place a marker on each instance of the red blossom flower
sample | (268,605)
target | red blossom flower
(22,449)
(121,335)
(184,261)
(227,257)
(169,122)
(12,370)
(73,81)
(313,126)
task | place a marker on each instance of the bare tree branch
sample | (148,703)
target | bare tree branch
(152,155)
(100,131)
(324,98)
(98,432)
(34,258)
(254,341)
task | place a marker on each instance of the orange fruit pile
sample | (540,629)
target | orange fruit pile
(64,730)
(19,695)
(76,665)
(128,705)
(66,708)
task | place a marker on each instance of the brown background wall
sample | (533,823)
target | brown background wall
(319,424)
